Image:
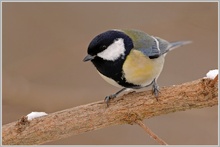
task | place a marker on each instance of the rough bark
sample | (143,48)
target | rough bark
(126,109)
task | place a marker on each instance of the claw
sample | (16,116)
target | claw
(155,89)
(107,98)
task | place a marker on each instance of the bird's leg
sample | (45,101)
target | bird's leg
(107,98)
(155,89)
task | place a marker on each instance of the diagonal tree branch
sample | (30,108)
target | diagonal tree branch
(126,109)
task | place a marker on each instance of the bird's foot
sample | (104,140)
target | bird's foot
(155,90)
(107,98)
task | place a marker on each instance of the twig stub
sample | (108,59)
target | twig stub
(151,133)
(22,124)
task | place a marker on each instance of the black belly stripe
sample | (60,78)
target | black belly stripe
(113,70)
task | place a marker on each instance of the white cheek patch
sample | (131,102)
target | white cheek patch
(114,51)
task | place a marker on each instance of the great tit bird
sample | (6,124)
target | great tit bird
(129,58)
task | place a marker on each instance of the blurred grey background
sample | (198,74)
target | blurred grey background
(44,44)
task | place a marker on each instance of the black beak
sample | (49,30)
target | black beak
(88,58)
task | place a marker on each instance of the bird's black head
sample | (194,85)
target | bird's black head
(109,46)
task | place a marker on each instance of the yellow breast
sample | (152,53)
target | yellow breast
(141,70)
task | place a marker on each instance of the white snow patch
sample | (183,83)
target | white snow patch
(212,74)
(129,89)
(33,115)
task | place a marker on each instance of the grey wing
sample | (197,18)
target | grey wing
(157,48)
(151,46)
(161,47)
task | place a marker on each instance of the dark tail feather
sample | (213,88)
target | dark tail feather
(174,45)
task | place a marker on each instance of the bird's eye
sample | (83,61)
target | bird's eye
(116,39)
(103,47)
